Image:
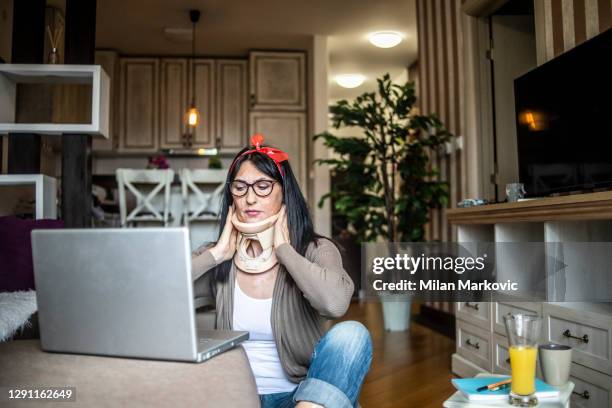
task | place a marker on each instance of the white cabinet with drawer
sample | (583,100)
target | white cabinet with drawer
(592,389)
(587,332)
(501,309)
(476,313)
(501,355)
(464,368)
(585,326)
(474,344)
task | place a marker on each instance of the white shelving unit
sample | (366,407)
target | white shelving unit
(584,221)
(44,194)
(11,75)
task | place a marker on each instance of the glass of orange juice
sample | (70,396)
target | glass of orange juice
(523,333)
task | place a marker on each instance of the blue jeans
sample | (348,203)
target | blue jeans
(340,362)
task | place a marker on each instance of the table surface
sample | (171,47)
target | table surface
(224,380)
(457,400)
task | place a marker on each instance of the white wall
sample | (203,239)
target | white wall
(319,179)
(401,78)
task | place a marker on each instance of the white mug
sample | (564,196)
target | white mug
(515,191)
(556,361)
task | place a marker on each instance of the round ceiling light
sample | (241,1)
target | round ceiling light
(385,39)
(350,80)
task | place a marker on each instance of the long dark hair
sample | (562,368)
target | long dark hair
(299,222)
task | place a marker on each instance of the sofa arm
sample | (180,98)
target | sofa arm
(225,380)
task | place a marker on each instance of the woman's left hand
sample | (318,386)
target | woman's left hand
(281,230)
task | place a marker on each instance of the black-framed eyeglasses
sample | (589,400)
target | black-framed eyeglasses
(262,188)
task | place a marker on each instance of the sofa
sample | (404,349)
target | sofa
(223,381)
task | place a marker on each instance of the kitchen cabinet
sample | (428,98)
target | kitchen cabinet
(139,105)
(172,102)
(153,95)
(286,131)
(277,81)
(232,104)
(202,71)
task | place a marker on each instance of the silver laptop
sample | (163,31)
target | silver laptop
(121,292)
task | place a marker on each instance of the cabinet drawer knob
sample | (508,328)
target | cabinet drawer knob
(475,345)
(474,306)
(584,394)
(568,334)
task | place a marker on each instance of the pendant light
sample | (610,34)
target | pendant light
(193,115)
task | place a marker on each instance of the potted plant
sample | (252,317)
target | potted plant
(158,162)
(215,162)
(388,184)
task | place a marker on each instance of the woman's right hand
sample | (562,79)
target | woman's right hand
(225,248)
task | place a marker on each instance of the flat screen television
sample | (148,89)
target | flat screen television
(564,121)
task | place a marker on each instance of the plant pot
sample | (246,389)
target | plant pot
(396,311)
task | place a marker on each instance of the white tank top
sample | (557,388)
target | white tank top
(253,315)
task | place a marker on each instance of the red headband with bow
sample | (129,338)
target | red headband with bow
(276,155)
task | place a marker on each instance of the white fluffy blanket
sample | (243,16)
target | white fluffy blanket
(15,310)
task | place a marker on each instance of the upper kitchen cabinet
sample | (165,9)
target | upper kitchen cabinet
(232,104)
(138,107)
(109,61)
(277,81)
(202,71)
(152,96)
(173,102)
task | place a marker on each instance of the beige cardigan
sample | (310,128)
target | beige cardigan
(307,290)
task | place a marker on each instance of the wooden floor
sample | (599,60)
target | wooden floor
(409,369)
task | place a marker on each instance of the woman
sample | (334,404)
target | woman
(273,276)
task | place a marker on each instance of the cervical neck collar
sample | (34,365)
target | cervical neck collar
(262,231)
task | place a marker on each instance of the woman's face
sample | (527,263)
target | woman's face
(251,207)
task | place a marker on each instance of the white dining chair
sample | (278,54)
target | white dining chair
(202,204)
(146,186)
